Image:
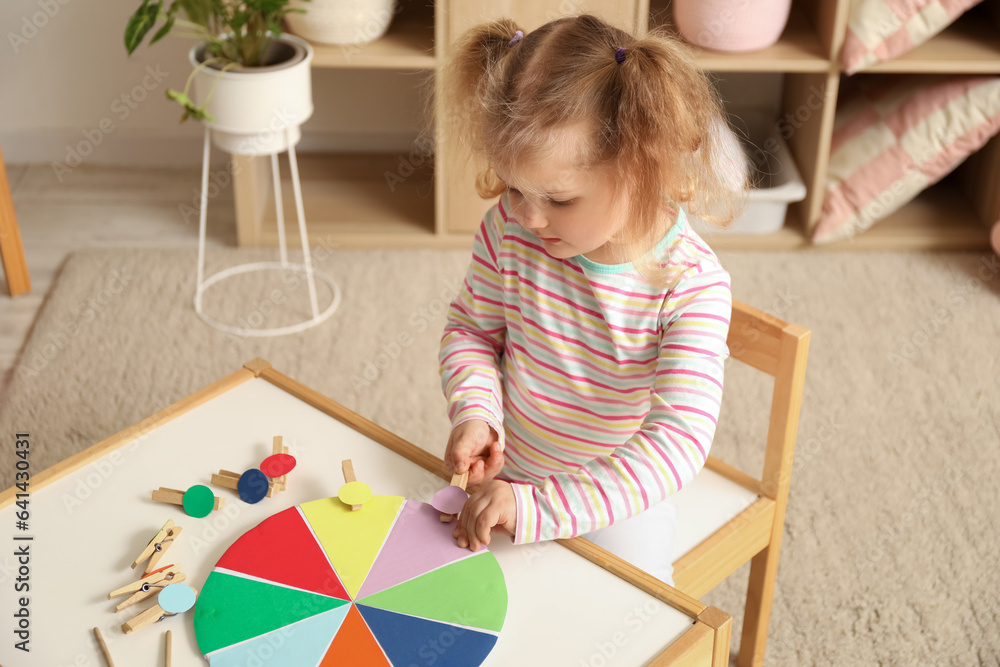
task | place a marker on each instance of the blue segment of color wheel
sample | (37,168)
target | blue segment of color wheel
(409,640)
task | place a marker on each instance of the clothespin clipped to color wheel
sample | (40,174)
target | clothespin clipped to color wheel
(173,599)
(353,492)
(451,499)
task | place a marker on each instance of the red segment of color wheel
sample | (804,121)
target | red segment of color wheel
(277,465)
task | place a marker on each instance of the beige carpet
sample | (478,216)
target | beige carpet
(889,557)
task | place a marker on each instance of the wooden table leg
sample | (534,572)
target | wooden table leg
(11,249)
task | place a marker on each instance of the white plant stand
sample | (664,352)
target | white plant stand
(306,267)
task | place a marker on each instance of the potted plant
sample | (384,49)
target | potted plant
(253,81)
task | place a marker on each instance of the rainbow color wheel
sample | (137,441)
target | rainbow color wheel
(318,585)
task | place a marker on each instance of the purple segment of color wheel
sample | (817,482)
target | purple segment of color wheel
(450,500)
(418,543)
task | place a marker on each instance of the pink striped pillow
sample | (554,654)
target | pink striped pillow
(895,135)
(880,30)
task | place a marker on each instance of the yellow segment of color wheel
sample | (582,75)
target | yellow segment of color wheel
(352,539)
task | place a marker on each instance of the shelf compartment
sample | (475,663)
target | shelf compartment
(970,45)
(408,44)
(940,218)
(799,48)
(348,202)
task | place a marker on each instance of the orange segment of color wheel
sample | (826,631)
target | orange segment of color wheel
(355,493)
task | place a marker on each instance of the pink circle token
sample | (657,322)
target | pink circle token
(450,500)
(277,465)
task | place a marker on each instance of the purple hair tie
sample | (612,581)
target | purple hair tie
(620,55)
(518,35)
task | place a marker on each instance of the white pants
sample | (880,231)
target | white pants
(646,540)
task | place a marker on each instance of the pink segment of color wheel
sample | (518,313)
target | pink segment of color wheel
(450,500)
(277,465)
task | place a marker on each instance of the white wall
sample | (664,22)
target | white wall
(68,85)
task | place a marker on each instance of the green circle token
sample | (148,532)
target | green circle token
(354,493)
(199,501)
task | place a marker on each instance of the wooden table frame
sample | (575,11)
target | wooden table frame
(11,248)
(706,643)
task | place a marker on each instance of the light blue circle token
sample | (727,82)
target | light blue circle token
(176,598)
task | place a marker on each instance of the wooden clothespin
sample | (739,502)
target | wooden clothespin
(277,447)
(148,586)
(353,492)
(198,501)
(173,599)
(450,500)
(158,546)
(231,480)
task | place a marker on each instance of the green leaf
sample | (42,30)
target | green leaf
(239,20)
(190,109)
(167,25)
(162,32)
(141,23)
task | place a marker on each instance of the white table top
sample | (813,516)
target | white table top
(89,526)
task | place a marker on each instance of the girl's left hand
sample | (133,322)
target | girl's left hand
(493,505)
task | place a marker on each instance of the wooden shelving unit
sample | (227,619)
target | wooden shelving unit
(350,202)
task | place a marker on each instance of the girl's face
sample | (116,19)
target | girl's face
(573,211)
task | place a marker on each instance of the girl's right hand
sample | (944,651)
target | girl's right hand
(474,446)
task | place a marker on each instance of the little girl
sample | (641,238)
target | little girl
(583,359)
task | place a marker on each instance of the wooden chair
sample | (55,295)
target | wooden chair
(752,510)
(11,250)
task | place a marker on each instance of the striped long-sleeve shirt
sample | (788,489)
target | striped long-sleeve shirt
(604,390)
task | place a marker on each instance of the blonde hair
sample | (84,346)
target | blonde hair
(655,118)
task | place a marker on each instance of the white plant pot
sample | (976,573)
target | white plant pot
(341,21)
(254,110)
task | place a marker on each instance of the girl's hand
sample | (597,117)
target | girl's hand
(474,446)
(491,506)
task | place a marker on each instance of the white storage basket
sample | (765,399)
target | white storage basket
(776,182)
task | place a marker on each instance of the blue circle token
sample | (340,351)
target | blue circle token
(253,486)
(176,598)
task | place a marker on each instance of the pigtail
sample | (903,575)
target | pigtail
(672,128)
(472,78)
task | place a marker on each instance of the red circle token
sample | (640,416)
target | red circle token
(277,465)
